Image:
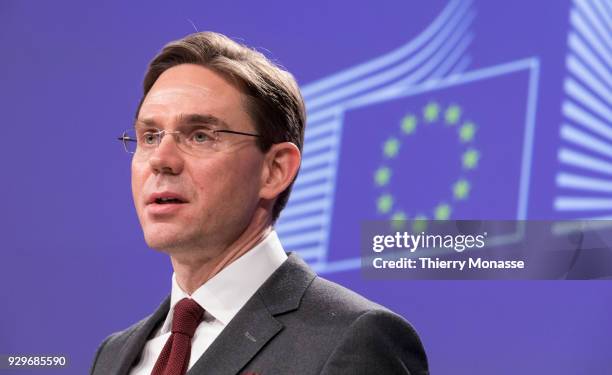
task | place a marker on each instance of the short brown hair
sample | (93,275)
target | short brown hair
(273,99)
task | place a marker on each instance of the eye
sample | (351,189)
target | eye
(149,138)
(201,136)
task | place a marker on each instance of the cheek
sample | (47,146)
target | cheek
(138,180)
(212,183)
(222,186)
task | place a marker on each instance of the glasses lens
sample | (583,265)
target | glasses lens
(198,142)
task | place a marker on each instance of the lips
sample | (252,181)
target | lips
(166,197)
(164,205)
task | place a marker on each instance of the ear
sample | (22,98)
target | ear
(280,168)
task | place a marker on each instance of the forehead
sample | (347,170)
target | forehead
(187,89)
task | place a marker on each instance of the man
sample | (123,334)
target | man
(216,147)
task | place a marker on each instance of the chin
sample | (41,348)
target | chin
(172,237)
(162,240)
(157,244)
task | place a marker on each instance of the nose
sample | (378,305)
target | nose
(167,158)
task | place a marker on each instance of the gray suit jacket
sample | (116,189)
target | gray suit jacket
(297,324)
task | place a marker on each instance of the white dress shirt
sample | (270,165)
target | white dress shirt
(221,297)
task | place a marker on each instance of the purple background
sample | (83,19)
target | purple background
(75,267)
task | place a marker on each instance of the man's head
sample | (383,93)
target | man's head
(207,81)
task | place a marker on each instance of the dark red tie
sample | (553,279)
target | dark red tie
(174,357)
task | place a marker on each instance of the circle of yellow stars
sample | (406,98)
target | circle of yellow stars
(466,131)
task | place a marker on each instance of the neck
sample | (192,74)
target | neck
(192,273)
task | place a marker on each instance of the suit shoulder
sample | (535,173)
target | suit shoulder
(111,347)
(355,326)
(350,309)
(120,337)
(378,342)
(326,295)
(374,338)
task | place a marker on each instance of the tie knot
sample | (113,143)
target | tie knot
(187,316)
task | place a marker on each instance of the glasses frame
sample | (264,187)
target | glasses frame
(125,138)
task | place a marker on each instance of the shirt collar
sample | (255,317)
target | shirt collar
(225,293)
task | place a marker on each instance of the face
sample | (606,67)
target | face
(217,195)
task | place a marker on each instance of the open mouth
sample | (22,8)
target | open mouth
(165,198)
(168,201)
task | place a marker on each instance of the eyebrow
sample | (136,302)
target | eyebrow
(190,119)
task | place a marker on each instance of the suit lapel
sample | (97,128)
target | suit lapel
(138,338)
(255,324)
(243,337)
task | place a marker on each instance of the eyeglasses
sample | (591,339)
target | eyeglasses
(197,142)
